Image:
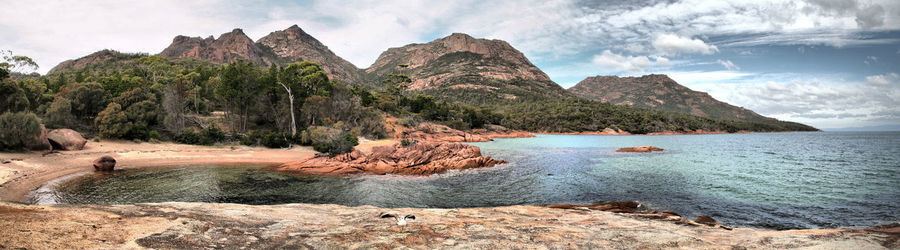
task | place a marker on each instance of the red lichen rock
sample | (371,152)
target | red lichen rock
(68,139)
(104,163)
(640,149)
(423,158)
(704,219)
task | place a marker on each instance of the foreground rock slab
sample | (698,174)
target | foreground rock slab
(210,225)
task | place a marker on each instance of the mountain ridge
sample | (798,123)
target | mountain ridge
(659,92)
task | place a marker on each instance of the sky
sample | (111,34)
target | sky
(826,63)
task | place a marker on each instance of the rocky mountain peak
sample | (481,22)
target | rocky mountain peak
(293,44)
(456,55)
(228,47)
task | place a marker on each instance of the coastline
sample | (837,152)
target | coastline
(27,171)
(181,225)
(697,132)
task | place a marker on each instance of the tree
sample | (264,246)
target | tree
(18,130)
(59,114)
(88,99)
(113,122)
(14,63)
(12,98)
(306,78)
(239,86)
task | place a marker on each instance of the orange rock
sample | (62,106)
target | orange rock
(423,158)
(705,219)
(104,163)
(640,149)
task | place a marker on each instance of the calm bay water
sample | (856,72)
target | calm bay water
(766,180)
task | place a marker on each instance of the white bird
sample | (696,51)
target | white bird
(401,220)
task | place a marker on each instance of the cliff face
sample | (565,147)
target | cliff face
(661,93)
(228,47)
(460,61)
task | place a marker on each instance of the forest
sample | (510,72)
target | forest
(144,97)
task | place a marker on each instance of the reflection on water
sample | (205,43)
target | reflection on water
(781,180)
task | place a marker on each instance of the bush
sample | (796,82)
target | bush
(154,135)
(211,135)
(274,139)
(329,140)
(19,130)
(188,137)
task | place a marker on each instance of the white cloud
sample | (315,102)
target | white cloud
(614,62)
(728,64)
(671,45)
(884,80)
(828,103)
(870,60)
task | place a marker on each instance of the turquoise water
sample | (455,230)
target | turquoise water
(766,180)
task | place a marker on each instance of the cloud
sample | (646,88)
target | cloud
(631,64)
(823,103)
(870,17)
(671,45)
(884,80)
(870,60)
(728,64)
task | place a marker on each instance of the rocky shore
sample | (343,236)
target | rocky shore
(424,149)
(422,158)
(234,226)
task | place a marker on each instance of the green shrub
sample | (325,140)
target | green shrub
(154,135)
(211,135)
(274,139)
(329,140)
(188,137)
(18,130)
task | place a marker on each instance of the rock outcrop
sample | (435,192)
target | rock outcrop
(277,48)
(640,149)
(422,158)
(497,131)
(176,225)
(228,47)
(104,163)
(706,220)
(67,139)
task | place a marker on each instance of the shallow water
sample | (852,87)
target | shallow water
(766,180)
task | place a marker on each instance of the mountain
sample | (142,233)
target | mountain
(659,92)
(278,48)
(228,47)
(93,60)
(465,65)
(293,45)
